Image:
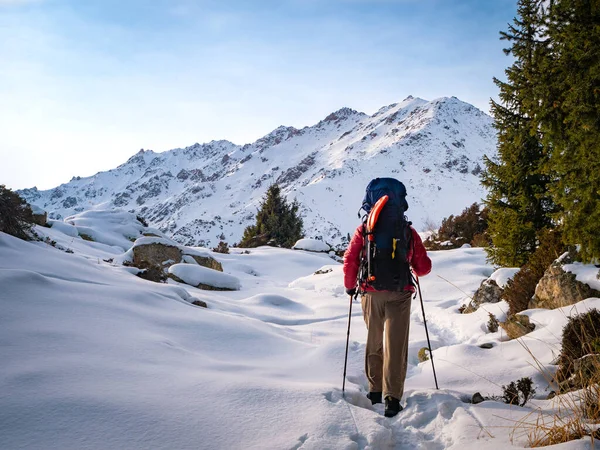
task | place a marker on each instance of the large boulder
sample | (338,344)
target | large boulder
(558,288)
(158,252)
(517,325)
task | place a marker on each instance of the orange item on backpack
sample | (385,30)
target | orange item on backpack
(374,215)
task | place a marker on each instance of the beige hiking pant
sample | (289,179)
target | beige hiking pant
(387,315)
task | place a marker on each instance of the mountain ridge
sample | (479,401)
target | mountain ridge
(207,192)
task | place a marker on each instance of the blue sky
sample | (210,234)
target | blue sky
(85,84)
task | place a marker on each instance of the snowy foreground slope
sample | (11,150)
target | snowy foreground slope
(94,357)
(204,193)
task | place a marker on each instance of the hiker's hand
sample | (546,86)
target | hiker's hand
(351,292)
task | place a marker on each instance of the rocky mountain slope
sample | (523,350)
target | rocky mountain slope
(207,192)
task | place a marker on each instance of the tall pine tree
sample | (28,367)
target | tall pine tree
(518,200)
(277,222)
(570,94)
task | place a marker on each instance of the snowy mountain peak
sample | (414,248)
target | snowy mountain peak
(206,192)
(342,113)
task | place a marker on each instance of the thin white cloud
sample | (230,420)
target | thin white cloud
(17,2)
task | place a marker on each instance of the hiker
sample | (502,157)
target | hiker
(377,264)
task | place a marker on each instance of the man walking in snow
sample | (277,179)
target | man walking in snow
(378,262)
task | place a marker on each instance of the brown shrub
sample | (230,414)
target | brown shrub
(580,337)
(222,247)
(469,227)
(481,240)
(521,287)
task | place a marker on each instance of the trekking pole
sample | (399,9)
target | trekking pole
(347,342)
(427,332)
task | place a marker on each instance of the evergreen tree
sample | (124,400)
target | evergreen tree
(570,99)
(277,222)
(518,200)
(16,217)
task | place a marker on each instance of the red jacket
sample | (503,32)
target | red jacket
(417,258)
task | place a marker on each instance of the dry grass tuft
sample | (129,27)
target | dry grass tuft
(577,409)
(577,416)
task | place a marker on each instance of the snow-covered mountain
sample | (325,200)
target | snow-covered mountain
(207,192)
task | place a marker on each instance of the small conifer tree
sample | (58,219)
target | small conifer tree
(277,222)
(16,217)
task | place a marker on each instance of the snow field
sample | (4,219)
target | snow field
(94,357)
(586,273)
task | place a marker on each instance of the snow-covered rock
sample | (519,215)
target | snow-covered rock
(312,245)
(111,227)
(204,278)
(503,275)
(64,227)
(488,292)
(209,192)
(163,252)
(202,257)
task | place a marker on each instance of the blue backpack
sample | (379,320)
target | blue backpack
(387,237)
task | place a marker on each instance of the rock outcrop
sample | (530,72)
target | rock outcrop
(558,288)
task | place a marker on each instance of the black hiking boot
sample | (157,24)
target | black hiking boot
(392,406)
(375,397)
